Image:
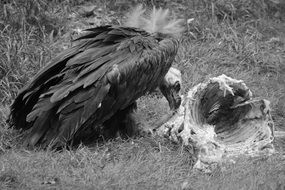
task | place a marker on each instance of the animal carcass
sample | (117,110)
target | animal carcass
(221,119)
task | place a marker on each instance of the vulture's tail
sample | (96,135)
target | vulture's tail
(154,21)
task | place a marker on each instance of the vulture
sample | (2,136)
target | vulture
(90,90)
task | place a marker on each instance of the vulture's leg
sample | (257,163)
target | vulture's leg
(123,123)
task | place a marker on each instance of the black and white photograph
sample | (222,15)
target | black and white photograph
(142,94)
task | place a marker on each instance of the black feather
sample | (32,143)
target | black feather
(73,93)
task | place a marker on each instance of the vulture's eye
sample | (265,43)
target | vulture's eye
(177,86)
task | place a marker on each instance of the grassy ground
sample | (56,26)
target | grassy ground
(242,39)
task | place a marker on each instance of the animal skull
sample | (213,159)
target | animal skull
(222,119)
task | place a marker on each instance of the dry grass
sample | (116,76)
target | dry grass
(243,39)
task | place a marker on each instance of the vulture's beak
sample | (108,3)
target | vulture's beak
(170,88)
(172,95)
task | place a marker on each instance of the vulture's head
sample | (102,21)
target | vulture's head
(170,88)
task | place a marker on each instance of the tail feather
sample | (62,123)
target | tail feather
(154,21)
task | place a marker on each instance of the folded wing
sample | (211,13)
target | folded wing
(84,86)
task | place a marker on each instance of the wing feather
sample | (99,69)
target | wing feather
(76,91)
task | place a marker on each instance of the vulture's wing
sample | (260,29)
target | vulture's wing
(107,71)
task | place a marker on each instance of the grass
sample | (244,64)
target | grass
(135,164)
(242,39)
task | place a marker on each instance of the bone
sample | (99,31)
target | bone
(223,120)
